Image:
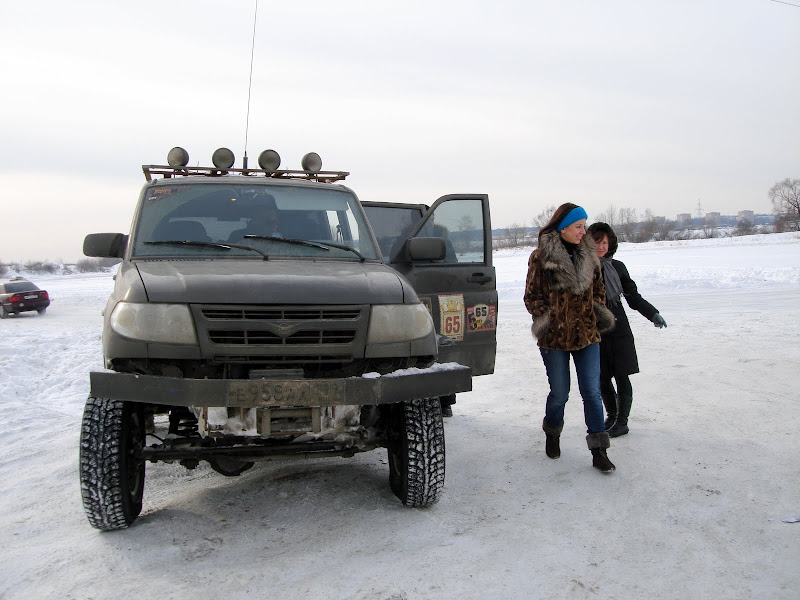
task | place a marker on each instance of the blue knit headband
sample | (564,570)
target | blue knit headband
(576,214)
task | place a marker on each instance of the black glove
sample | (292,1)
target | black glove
(659,321)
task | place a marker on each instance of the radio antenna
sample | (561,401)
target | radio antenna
(249,88)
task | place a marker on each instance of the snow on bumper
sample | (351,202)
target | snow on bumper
(406,384)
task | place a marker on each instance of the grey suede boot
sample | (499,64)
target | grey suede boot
(551,445)
(610,402)
(620,427)
(598,443)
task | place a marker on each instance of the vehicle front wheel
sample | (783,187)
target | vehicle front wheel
(416,451)
(3,312)
(111,465)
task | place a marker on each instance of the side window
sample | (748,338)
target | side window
(391,225)
(460,223)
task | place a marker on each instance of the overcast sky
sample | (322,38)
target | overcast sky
(637,103)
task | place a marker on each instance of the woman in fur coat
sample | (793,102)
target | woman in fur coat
(617,351)
(565,295)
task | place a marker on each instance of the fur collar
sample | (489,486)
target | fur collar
(574,277)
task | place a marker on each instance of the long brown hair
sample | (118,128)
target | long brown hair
(560,213)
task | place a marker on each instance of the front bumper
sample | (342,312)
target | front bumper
(400,386)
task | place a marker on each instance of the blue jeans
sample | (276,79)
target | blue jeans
(587,365)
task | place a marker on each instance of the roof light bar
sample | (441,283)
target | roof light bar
(223,159)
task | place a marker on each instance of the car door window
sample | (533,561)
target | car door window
(392,224)
(460,224)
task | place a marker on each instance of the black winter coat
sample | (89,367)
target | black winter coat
(617,350)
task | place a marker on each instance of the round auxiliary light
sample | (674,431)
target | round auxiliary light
(178,157)
(269,160)
(311,163)
(223,158)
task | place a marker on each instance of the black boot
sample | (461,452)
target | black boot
(621,426)
(551,445)
(610,402)
(447,404)
(598,443)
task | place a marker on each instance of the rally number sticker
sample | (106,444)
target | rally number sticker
(451,315)
(482,317)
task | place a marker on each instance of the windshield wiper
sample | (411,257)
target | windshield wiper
(273,238)
(211,245)
(345,247)
(320,245)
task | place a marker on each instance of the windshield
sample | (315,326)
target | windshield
(266,218)
(20,286)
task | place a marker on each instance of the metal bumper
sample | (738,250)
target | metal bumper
(408,384)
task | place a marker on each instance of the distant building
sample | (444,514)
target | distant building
(684,219)
(713,216)
(746,216)
(660,220)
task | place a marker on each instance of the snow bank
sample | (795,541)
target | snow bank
(693,511)
(764,261)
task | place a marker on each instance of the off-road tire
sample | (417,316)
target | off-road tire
(416,451)
(111,468)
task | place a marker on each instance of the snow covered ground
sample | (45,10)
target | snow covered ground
(694,509)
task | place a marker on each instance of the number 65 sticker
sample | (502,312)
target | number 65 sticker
(451,313)
(481,317)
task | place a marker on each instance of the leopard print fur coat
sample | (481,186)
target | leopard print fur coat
(565,295)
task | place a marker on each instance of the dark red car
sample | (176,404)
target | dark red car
(19,295)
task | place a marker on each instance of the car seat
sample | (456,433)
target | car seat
(183,231)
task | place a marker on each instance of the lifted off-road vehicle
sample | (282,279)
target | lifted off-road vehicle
(263,313)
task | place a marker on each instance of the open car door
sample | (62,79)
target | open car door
(460,291)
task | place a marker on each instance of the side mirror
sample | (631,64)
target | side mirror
(105,245)
(422,248)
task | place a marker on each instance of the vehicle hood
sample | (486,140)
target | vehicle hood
(273,282)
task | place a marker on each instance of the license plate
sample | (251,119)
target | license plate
(31,297)
(262,392)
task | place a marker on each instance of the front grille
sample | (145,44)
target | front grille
(279,314)
(273,361)
(260,338)
(281,334)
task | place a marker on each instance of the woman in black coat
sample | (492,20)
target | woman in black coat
(617,350)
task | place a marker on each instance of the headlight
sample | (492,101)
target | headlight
(167,323)
(398,323)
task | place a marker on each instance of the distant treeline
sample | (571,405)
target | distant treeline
(86,265)
(651,229)
(785,197)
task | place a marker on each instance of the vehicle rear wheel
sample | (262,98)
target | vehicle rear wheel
(416,451)
(111,465)
(3,312)
(41,310)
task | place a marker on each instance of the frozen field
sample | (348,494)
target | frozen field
(694,509)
